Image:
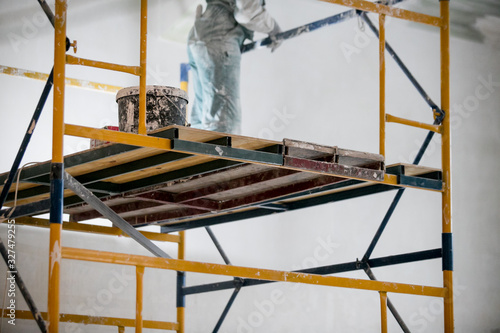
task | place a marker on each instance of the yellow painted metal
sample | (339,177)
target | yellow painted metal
(393,119)
(445,106)
(142,82)
(55,249)
(184,86)
(97,229)
(181,319)
(139,275)
(57,158)
(383,311)
(382,83)
(182,246)
(449,315)
(23,73)
(59,81)
(105,321)
(71,60)
(248,272)
(446,156)
(181,255)
(389,11)
(118,137)
(69,81)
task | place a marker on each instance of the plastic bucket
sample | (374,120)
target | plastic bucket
(164,106)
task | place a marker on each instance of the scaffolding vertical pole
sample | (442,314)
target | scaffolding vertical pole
(57,166)
(139,276)
(181,276)
(446,165)
(382,82)
(181,280)
(143,59)
(383,311)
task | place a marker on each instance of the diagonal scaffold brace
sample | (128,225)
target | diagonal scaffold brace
(13,172)
(437,111)
(5,191)
(238,282)
(80,190)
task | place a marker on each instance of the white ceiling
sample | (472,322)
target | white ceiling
(477,20)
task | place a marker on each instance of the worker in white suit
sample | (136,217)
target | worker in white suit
(214,50)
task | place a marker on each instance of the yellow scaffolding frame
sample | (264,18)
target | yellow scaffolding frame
(60,128)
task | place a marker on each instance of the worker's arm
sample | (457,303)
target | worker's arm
(253,16)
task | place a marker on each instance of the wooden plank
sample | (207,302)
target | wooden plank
(141,153)
(238,141)
(219,189)
(90,166)
(415,170)
(67,193)
(196,178)
(160,169)
(302,145)
(359,155)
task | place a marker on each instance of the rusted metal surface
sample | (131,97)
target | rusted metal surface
(334,168)
(148,189)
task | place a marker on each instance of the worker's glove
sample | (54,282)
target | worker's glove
(272,35)
(199,10)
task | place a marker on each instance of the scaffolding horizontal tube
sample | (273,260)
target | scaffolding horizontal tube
(69,81)
(393,119)
(368,6)
(118,137)
(248,272)
(323,270)
(96,229)
(105,321)
(71,60)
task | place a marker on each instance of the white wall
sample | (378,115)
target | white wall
(309,89)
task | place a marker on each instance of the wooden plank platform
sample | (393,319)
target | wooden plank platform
(209,175)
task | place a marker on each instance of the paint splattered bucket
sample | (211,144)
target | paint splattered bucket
(164,106)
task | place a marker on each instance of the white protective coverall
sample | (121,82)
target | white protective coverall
(214,46)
